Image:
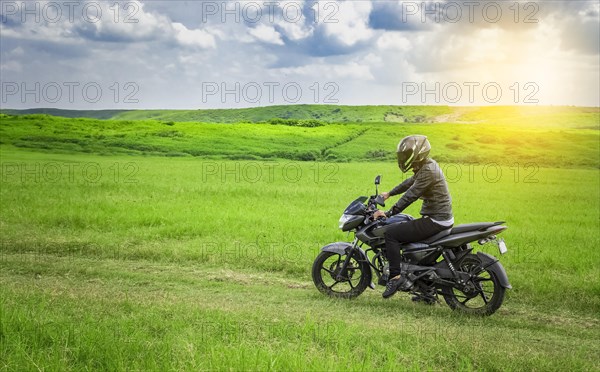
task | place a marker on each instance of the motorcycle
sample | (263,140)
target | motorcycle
(443,264)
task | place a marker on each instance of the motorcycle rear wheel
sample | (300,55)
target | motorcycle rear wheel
(328,265)
(484,294)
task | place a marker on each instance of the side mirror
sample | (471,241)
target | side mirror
(379,200)
(378,180)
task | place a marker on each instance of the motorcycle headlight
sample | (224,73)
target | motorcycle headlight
(345,218)
(350,221)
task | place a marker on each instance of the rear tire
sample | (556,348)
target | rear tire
(476,300)
(325,269)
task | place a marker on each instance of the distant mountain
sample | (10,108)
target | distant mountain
(325,113)
(529,116)
(92,114)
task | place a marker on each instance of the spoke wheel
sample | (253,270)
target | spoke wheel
(482,295)
(330,280)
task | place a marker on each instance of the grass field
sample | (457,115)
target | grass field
(326,113)
(119,257)
(520,116)
(535,142)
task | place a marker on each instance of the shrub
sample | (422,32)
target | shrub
(176,154)
(307,156)
(310,123)
(454,145)
(169,133)
(377,154)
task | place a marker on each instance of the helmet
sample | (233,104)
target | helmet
(411,150)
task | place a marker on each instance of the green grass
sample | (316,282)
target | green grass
(325,113)
(167,243)
(520,116)
(128,262)
(573,145)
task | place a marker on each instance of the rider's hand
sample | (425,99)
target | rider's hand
(378,214)
(385,195)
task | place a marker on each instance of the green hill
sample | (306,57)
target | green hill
(92,114)
(528,116)
(325,113)
(568,137)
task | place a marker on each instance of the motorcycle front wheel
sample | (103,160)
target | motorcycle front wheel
(325,272)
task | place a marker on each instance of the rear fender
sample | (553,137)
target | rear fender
(342,247)
(491,263)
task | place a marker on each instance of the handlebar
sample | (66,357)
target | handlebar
(374,200)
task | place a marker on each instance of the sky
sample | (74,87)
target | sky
(231,54)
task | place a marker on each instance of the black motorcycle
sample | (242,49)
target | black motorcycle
(443,264)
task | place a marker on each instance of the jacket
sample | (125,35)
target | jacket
(429,184)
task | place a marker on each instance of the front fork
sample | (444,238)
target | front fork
(343,273)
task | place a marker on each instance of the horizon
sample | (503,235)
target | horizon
(295,104)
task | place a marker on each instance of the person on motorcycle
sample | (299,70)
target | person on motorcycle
(427,183)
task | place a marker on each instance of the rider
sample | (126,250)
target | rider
(427,183)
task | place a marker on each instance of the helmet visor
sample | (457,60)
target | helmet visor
(404,159)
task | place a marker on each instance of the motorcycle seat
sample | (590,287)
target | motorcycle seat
(437,236)
(474,226)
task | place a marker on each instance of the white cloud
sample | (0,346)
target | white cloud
(346,21)
(11,66)
(393,41)
(141,26)
(293,23)
(198,37)
(266,34)
(18,51)
(170,51)
(350,70)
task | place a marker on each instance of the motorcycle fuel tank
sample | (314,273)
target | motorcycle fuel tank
(388,222)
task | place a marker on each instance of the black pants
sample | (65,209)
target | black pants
(407,232)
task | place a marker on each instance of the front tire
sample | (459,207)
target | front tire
(484,293)
(328,265)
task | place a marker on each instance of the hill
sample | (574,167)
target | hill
(325,113)
(513,115)
(568,138)
(92,114)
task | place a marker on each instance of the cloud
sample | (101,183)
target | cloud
(349,24)
(266,34)
(99,25)
(396,16)
(393,41)
(368,48)
(11,66)
(333,72)
(198,37)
